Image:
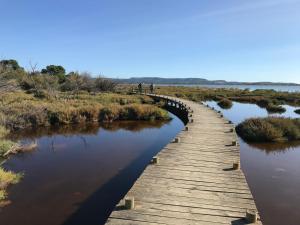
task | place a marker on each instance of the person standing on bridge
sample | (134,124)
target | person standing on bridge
(140,87)
(151,88)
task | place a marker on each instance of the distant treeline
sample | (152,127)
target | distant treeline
(50,79)
(191,81)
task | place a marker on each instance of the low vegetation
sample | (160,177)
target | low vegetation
(297,111)
(7,178)
(270,129)
(19,110)
(258,97)
(225,103)
(271,108)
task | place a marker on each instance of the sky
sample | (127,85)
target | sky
(233,40)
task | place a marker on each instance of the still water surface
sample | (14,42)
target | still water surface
(272,170)
(77,175)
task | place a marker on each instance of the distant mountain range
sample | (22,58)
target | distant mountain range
(193,81)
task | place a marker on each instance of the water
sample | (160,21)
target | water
(271,169)
(77,175)
(284,88)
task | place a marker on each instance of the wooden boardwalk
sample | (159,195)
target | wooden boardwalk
(194,181)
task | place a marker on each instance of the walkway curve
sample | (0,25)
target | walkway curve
(192,179)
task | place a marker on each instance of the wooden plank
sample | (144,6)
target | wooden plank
(193,182)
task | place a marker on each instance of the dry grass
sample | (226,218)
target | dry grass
(20,110)
(7,178)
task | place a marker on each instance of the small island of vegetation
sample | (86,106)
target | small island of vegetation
(270,129)
(225,103)
(297,111)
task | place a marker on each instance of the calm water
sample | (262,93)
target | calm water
(76,176)
(250,87)
(272,170)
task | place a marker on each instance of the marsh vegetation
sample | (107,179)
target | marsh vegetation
(271,129)
(225,103)
(52,97)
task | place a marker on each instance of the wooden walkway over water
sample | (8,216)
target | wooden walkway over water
(193,180)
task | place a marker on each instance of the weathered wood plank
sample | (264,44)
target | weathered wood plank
(193,183)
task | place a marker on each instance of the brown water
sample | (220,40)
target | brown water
(77,175)
(272,170)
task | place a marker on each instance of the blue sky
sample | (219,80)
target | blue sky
(241,40)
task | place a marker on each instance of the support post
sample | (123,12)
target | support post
(251,216)
(236,166)
(129,203)
(177,140)
(155,160)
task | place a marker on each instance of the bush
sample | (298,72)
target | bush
(271,108)
(263,103)
(225,103)
(269,129)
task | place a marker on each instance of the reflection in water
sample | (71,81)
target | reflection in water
(276,147)
(76,176)
(85,128)
(271,169)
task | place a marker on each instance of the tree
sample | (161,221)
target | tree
(10,64)
(55,70)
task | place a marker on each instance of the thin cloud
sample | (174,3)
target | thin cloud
(247,7)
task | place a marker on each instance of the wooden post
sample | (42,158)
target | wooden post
(155,160)
(251,216)
(177,140)
(191,121)
(236,166)
(231,130)
(234,143)
(186,128)
(229,121)
(129,202)
(221,116)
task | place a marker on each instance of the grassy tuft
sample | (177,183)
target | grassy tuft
(7,178)
(271,108)
(225,103)
(270,129)
(5,146)
(297,111)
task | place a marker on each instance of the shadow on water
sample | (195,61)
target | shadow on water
(98,206)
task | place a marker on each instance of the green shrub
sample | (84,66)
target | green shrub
(297,111)
(271,108)
(225,103)
(270,129)
(263,103)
